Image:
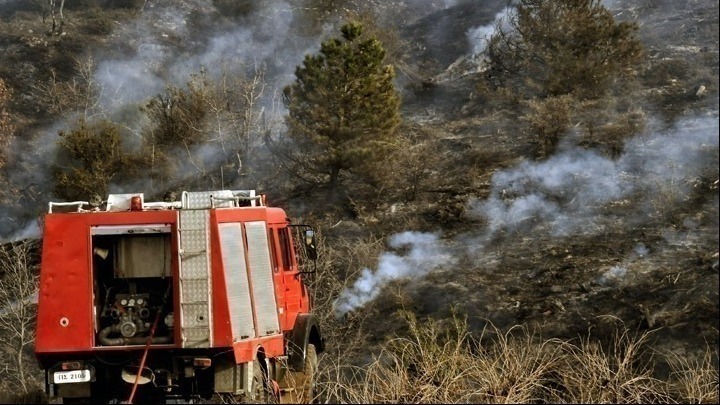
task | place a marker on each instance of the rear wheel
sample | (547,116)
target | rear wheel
(300,385)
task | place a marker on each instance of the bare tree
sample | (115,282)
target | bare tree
(241,95)
(60,16)
(234,118)
(250,90)
(80,94)
(18,284)
(6,127)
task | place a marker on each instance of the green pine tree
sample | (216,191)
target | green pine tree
(550,48)
(343,108)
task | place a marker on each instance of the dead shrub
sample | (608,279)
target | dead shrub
(437,363)
(619,374)
(411,166)
(695,381)
(549,119)
(605,128)
(97,25)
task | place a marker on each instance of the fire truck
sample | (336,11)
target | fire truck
(204,297)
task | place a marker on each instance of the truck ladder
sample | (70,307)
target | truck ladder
(195,282)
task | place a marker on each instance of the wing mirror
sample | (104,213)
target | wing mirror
(310,244)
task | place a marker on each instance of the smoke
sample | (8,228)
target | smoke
(560,190)
(616,274)
(566,194)
(29,230)
(425,252)
(572,193)
(613,274)
(168,44)
(609,3)
(478,37)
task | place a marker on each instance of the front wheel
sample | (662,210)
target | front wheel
(300,385)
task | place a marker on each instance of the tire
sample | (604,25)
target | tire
(311,365)
(259,388)
(301,384)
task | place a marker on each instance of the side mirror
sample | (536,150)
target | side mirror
(310,246)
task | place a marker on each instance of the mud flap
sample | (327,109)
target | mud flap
(77,390)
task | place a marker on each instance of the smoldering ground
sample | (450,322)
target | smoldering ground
(573,193)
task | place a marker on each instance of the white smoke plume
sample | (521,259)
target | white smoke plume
(167,50)
(567,192)
(478,37)
(616,274)
(566,195)
(425,253)
(29,230)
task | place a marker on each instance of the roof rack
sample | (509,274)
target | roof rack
(189,200)
(220,199)
(79,205)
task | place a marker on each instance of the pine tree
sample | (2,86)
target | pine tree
(343,107)
(551,48)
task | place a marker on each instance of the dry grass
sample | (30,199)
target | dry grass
(695,381)
(442,362)
(619,374)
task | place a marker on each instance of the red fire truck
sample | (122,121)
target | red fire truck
(184,299)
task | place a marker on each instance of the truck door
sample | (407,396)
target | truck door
(291,280)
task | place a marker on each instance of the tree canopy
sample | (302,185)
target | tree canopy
(343,109)
(550,48)
(89,158)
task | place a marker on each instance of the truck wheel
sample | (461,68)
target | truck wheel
(259,390)
(311,365)
(301,384)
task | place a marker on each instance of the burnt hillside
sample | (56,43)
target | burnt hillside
(616,228)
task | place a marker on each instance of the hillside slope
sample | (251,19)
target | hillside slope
(580,244)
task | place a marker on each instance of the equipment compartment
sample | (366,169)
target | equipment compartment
(132,286)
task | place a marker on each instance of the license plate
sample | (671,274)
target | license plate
(72,376)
